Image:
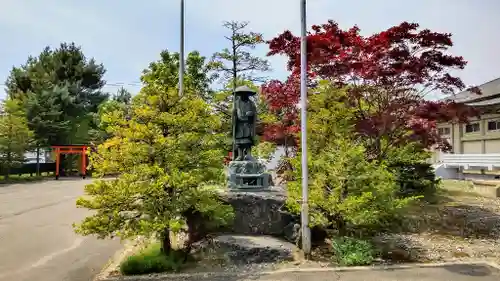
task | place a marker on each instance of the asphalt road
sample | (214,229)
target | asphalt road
(37,241)
(447,273)
(456,272)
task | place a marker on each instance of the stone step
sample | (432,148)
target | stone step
(247,249)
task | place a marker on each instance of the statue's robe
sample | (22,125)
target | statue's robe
(245,124)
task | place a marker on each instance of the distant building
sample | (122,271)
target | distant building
(45,156)
(475,146)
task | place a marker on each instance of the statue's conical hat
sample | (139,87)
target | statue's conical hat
(244,90)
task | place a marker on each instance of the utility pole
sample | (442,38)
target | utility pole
(181,52)
(306,233)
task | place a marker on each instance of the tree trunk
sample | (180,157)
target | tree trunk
(340,222)
(235,76)
(166,245)
(341,226)
(38,161)
(9,164)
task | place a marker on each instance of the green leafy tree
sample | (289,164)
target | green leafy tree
(168,156)
(15,136)
(120,102)
(347,192)
(61,92)
(166,72)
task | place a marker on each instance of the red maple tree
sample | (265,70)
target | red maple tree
(282,99)
(388,76)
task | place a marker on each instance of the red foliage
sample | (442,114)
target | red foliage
(398,57)
(388,75)
(228,158)
(282,99)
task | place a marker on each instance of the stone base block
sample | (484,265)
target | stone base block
(248,175)
(263,212)
(255,249)
(249,181)
(258,212)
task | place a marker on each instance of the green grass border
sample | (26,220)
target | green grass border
(151,260)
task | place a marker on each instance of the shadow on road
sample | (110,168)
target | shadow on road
(470,270)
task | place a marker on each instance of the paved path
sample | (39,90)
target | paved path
(36,237)
(457,272)
(453,273)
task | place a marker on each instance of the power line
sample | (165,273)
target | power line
(111,84)
(121,84)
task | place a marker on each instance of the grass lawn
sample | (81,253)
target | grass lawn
(24,178)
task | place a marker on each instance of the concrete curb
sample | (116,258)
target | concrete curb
(129,247)
(216,275)
(385,267)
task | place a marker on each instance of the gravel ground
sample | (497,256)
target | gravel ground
(463,227)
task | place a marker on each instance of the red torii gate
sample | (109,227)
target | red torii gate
(71,149)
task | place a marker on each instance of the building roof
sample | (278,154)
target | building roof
(486,102)
(489,90)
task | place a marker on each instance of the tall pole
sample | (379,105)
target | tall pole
(181,53)
(306,234)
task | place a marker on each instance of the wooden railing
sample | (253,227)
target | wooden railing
(485,161)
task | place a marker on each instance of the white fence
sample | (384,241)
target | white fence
(489,161)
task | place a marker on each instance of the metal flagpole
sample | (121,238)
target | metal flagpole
(181,52)
(306,234)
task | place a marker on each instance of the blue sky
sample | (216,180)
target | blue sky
(126,35)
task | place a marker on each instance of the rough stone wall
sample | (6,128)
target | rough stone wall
(263,213)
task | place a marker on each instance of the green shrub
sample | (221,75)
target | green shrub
(351,251)
(164,151)
(347,192)
(151,260)
(414,176)
(415,179)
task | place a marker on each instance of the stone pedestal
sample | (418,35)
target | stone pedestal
(262,212)
(248,175)
(241,249)
(258,212)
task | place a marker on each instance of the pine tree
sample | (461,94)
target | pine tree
(166,71)
(119,104)
(123,96)
(236,64)
(46,118)
(60,90)
(167,155)
(72,84)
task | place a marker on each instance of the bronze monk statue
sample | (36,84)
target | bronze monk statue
(244,120)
